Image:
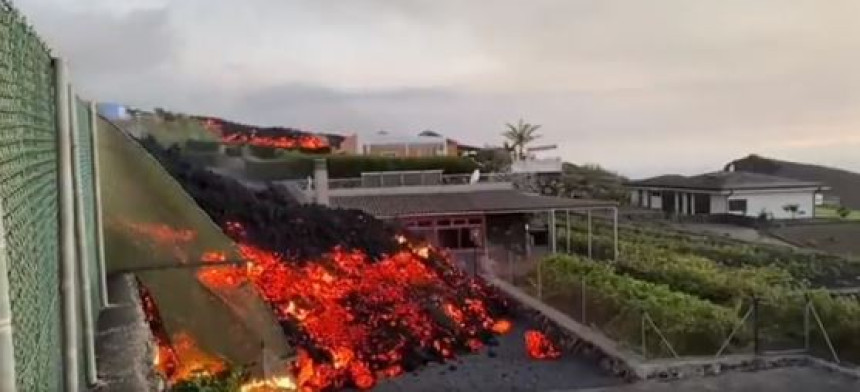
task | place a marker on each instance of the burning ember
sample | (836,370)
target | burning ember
(538,346)
(502,327)
(355,319)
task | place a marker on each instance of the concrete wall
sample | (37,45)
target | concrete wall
(773,202)
(719,204)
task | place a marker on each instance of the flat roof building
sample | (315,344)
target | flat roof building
(728,192)
(481,219)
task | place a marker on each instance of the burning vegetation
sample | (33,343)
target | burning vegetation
(356,300)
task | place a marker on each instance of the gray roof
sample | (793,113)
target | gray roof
(724,180)
(487,202)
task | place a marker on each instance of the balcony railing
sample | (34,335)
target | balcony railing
(405,179)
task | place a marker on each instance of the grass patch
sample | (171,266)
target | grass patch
(830,212)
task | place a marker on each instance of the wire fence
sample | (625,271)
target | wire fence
(658,315)
(30,201)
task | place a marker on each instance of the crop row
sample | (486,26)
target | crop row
(689,323)
(812,268)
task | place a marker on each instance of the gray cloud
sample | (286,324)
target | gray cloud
(643,87)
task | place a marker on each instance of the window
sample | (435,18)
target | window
(459,238)
(449,238)
(540,238)
(738,205)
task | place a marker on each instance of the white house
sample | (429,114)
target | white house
(728,192)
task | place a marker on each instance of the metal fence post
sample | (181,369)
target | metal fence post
(68,279)
(97,201)
(615,232)
(642,327)
(806,304)
(540,278)
(567,231)
(582,301)
(755,319)
(86,304)
(552,233)
(590,236)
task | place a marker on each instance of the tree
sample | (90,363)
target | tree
(792,209)
(520,135)
(843,212)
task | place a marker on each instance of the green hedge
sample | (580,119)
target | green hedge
(298,166)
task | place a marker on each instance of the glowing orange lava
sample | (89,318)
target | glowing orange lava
(538,346)
(165,360)
(354,319)
(192,359)
(502,327)
(305,141)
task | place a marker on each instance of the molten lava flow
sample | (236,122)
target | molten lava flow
(165,358)
(354,319)
(178,358)
(301,141)
(193,360)
(538,346)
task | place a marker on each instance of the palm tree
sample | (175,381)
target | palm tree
(520,135)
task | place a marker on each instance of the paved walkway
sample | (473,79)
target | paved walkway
(507,369)
(792,379)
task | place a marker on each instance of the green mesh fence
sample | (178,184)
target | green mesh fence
(28,193)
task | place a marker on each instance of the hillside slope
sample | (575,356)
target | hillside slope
(845,184)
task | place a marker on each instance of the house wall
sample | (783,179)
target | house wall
(719,204)
(634,198)
(349,145)
(452,148)
(656,201)
(404,150)
(773,202)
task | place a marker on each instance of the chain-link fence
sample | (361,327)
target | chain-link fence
(30,201)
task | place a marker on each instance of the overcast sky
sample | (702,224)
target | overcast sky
(641,87)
